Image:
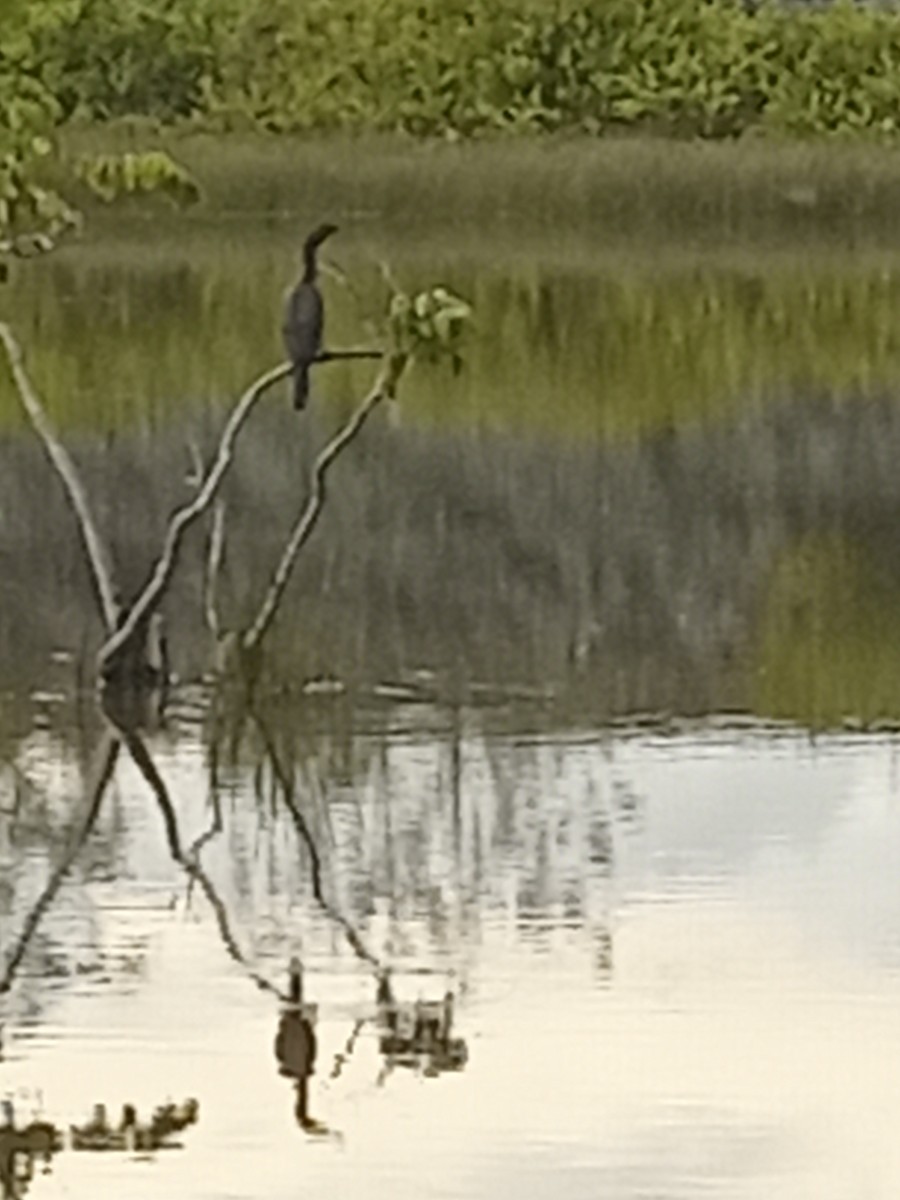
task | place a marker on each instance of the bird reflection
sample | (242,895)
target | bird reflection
(418,1035)
(414,1034)
(296,1048)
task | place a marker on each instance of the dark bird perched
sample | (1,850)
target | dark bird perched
(304,316)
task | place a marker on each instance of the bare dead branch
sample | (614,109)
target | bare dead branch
(215,827)
(101,569)
(213,567)
(309,515)
(328,356)
(108,754)
(194,477)
(343,1056)
(186,515)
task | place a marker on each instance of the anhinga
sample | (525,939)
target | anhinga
(304,316)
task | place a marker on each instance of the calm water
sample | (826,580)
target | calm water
(672,943)
(675,958)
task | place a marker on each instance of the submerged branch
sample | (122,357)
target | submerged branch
(309,515)
(343,1056)
(101,569)
(108,756)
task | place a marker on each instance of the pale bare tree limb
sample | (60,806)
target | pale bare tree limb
(185,516)
(194,477)
(98,559)
(213,568)
(312,509)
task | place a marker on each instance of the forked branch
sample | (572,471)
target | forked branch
(309,515)
(185,516)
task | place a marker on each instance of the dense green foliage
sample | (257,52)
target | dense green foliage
(111,176)
(32,215)
(28,112)
(705,67)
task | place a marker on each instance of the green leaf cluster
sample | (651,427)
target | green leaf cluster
(111,176)
(102,59)
(430,326)
(32,216)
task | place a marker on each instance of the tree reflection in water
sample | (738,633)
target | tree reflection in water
(20,1148)
(408,1035)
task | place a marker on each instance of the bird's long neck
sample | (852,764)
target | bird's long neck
(310,266)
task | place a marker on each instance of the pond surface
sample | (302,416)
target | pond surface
(555,720)
(674,956)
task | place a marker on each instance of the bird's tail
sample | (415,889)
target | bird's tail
(301,385)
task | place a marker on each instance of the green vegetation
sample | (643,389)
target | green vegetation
(622,193)
(829,643)
(707,67)
(465,67)
(586,346)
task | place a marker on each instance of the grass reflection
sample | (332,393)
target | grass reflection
(830,635)
(596,350)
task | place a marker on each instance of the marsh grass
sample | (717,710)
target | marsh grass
(635,190)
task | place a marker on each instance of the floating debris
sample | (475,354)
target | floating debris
(130,1134)
(418,1034)
(20,1147)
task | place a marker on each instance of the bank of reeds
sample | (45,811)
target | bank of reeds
(559,200)
(701,569)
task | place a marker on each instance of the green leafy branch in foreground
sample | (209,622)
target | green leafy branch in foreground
(34,218)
